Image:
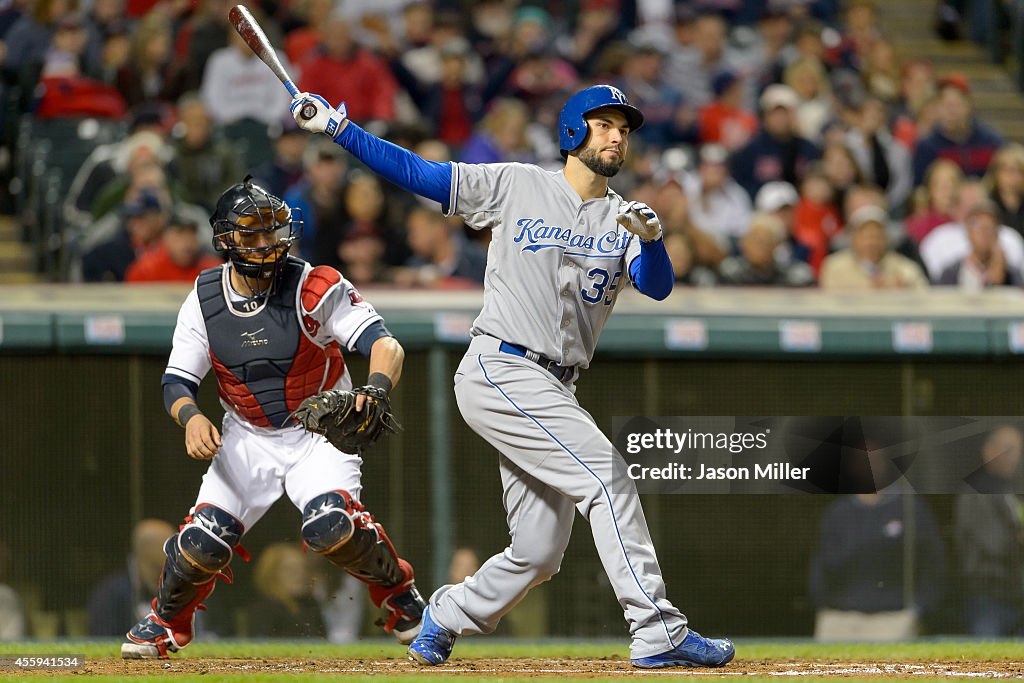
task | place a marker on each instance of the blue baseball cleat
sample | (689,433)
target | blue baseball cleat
(695,650)
(433,645)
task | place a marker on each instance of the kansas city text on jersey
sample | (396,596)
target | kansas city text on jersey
(539,236)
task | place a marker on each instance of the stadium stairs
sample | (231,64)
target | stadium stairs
(909,25)
(16,259)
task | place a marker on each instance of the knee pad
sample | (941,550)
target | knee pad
(328,522)
(204,546)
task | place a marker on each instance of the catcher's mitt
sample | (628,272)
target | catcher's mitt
(333,414)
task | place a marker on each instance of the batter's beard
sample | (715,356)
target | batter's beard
(592,160)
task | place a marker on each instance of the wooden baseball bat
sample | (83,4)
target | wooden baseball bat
(256,39)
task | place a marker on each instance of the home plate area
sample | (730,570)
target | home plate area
(554,667)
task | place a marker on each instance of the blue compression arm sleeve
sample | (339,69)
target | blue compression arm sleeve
(430,179)
(176,387)
(651,271)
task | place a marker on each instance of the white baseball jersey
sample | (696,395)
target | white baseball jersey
(556,263)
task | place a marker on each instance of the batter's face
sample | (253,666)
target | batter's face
(607,142)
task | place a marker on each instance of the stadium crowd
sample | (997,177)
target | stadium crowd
(785,144)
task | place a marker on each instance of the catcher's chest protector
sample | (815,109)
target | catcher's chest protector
(265,364)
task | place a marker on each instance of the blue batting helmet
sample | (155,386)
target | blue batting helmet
(572,126)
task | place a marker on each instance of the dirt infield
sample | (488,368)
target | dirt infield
(548,668)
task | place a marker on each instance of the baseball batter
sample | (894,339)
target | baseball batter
(563,246)
(271,327)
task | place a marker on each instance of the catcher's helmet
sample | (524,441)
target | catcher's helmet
(572,124)
(243,213)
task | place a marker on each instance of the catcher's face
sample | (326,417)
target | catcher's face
(263,236)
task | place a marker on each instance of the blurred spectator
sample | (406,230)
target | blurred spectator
(866,194)
(285,169)
(342,601)
(145,143)
(287,608)
(881,71)
(442,257)
(869,263)
(178,257)
(541,77)
(989,538)
(300,43)
(917,89)
(935,201)
(881,159)
(776,152)
(116,51)
(668,199)
(345,72)
(501,135)
(985,265)
(203,34)
(948,243)
(453,103)
(150,73)
(65,87)
(417,48)
(769,51)
(464,563)
(718,205)
(858,570)
(125,596)
(667,117)
(237,85)
(779,199)
(202,163)
(841,170)
(38,32)
(680,253)
(319,197)
(144,220)
(359,251)
(13,622)
(756,265)
(598,23)
(144,172)
(809,80)
(692,67)
(724,120)
(1005,180)
(816,219)
(958,136)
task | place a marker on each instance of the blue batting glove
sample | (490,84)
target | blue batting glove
(312,113)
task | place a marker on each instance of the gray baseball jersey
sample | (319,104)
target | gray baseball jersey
(555,266)
(556,263)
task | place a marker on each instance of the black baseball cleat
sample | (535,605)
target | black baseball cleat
(154,638)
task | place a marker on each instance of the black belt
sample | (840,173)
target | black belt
(561,372)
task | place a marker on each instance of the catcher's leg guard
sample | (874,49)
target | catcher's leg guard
(196,556)
(338,528)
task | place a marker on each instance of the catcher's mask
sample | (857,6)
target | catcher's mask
(256,230)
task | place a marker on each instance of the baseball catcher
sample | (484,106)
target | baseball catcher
(271,328)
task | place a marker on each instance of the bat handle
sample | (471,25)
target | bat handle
(308,110)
